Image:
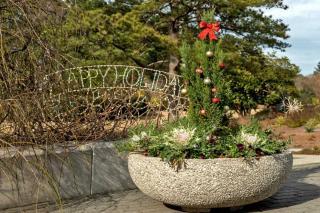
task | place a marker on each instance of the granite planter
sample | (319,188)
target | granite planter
(210,183)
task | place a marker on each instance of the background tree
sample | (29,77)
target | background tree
(25,56)
(317,69)
(259,79)
(242,21)
(97,33)
(245,32)
(148,33)
(174,17)
(309,88)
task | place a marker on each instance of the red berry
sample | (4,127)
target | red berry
(222,66)
(240,147)
(216,100)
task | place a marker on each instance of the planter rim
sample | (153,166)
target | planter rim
(286,152)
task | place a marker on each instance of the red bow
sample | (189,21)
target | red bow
(209,29)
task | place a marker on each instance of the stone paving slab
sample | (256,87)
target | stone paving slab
(301,193)
(299,160)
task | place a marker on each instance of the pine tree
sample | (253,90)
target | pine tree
(317,69)
(203,71)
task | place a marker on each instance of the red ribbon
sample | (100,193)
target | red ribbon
(209,29)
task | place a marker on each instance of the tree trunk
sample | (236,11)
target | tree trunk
(174,60)
(173,64)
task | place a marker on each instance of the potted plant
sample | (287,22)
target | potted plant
(200,161)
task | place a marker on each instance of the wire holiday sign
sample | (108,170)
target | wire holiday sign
(114,92)
(117,76)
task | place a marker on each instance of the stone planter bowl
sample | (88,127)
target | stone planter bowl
(210,183)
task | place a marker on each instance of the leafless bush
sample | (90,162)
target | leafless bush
(41,105)
(309,83)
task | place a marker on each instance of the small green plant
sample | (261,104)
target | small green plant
(263,114)
(295,121)
(280,120)
(311,125)
(315,101)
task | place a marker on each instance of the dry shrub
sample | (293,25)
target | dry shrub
(39,105)
(299,119)
(39,109)
(309,83)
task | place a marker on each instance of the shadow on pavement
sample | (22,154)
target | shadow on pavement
(298,189)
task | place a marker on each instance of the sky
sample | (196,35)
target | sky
(303,18)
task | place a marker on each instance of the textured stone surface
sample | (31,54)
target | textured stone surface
(210,183)
(61,173)
(21,183)
(71,172)
(24,181)
(110,172)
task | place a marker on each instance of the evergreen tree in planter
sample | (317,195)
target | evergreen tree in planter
(215,173)
(205,132)
(203,73)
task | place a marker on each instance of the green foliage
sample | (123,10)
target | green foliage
(306,96)
(90,36)
(311,125)
(200,94)
(171,144)
(296,120)
(280,120)
(317,69)
(309,89)
(259,79)
(236,16)
(315,101)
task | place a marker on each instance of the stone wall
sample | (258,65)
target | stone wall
(34,176)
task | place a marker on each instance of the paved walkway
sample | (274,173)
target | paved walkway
(301,193)
(305,160)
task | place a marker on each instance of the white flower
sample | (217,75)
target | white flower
(135,138)
(181,135)
(292,105)
(249,139)
(143,134)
